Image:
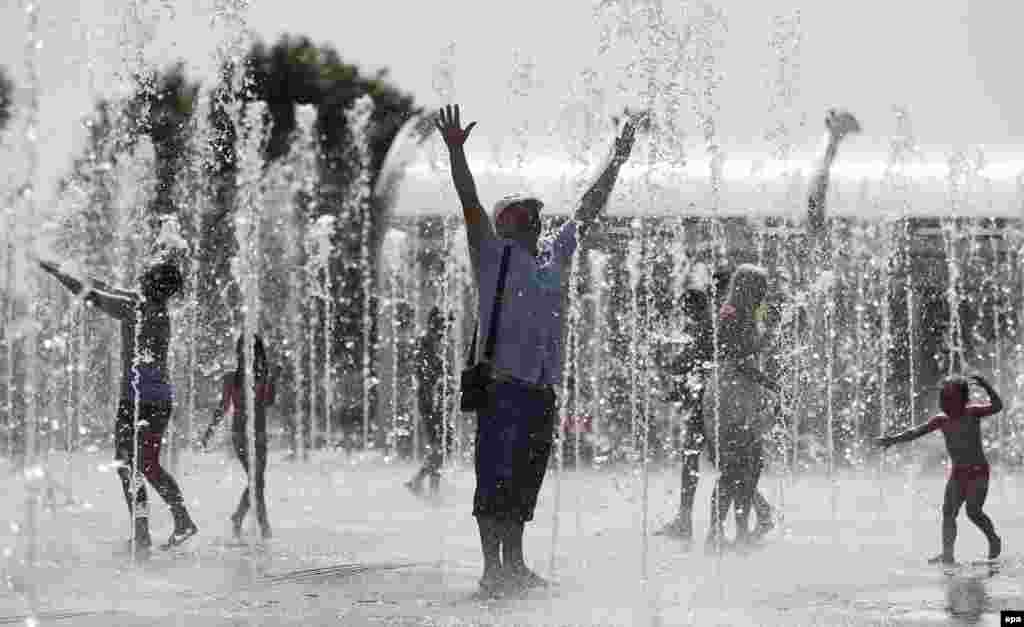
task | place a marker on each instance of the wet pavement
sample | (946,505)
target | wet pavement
(353,547)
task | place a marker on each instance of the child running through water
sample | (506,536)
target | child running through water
(232,400)
(960,422)
(146,391)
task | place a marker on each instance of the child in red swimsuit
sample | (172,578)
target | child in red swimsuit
(232,401)
(960,423)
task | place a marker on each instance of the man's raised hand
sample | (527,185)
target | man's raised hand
(624,142)
(450,127)
(841,123)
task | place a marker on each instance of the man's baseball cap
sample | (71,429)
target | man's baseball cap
(516,199)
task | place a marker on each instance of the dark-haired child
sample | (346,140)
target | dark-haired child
(147,396)
(232,400)
(960,423)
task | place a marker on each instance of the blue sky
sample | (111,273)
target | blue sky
(951,63)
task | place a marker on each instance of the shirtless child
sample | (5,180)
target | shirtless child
(960,422)
(146,393)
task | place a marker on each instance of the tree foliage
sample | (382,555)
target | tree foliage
(291,71)
(169,106)
(294,71)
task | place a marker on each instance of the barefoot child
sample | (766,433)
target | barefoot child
(232,401)
(960,423)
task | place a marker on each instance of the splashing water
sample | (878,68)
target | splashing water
(245,266)
(319,252)
(860,311)
(299,206)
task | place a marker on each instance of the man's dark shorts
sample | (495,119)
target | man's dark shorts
(513,445)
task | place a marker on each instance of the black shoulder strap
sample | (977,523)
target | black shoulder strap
(471,355)
(492,331)
(499,296)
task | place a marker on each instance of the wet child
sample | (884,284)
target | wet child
(146,392)
(960,423)
(232,400)
(691,373)
(739,402)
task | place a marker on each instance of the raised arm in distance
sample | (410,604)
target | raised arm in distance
(116,304)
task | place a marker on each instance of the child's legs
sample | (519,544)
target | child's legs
(693,444)
(951,502)
(433,429)
(261,473)
(721,499)
(975,493)
(432,465)
(727,489)
(748,475)
(157,415)
(763,511)
(241,446)
(762,508)
(124,454)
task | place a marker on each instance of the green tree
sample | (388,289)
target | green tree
(291,71)
(168,106)
(295,71)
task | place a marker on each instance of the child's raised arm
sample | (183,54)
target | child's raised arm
(116,304)
(994,405)
(106,287)
(911,434)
